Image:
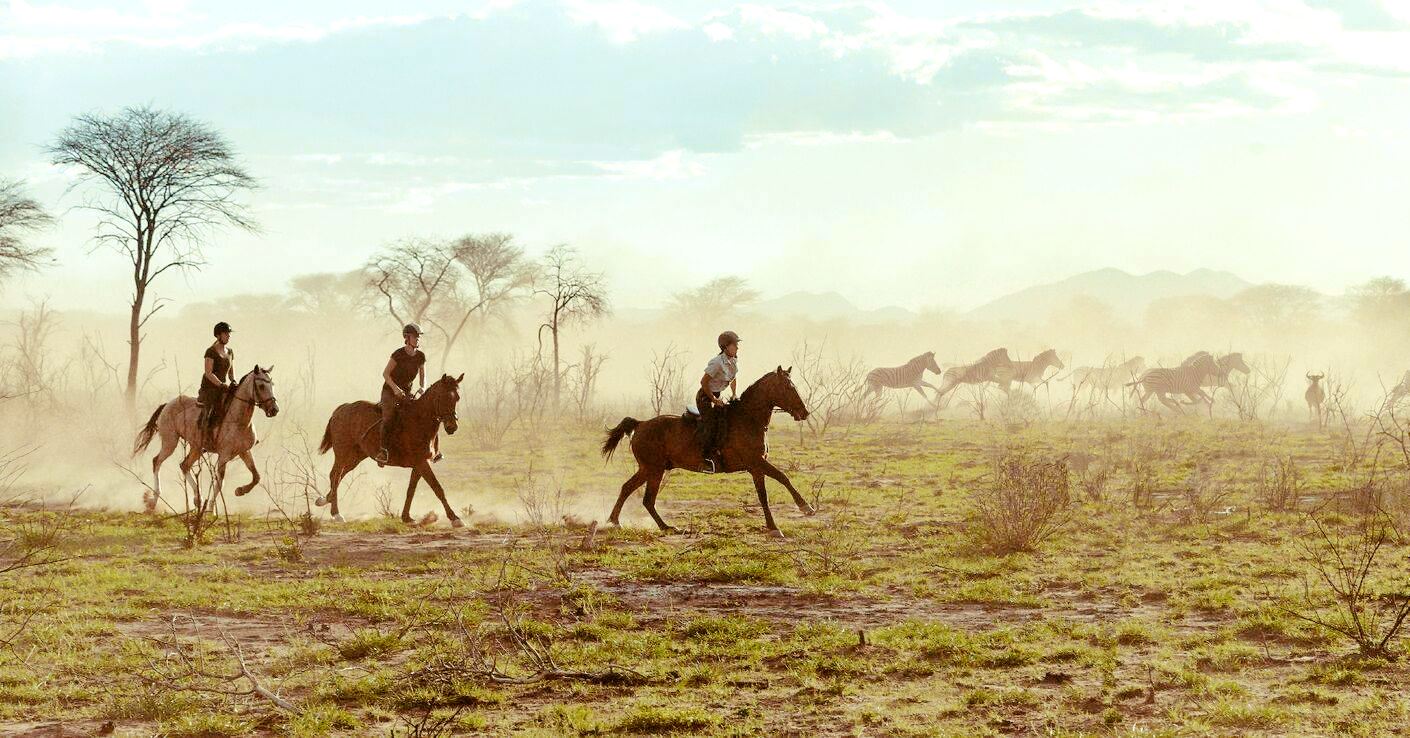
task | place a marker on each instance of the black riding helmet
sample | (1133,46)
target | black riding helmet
(222,327)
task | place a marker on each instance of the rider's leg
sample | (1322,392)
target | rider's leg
(389,414)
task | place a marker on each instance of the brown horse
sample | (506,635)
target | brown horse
(353,435)
(178,420)
(668,442)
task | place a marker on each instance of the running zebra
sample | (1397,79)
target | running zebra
(984,370)
(1107,378)
(908,375)
(1183,380)
(1028,372)
(1224,365)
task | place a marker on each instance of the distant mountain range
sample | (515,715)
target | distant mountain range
(1127,294)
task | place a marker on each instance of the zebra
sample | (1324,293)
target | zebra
(1315,396)
(910,374)
(979,372)
(1183,380)
(1028,372)
(1224,366)
(1107,378)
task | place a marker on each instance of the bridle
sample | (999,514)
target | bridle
(442,418)
(257,402)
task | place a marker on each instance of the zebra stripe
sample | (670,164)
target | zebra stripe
(1027,372)
(979,372)
(1183,380)
(1107,377)
(910,375)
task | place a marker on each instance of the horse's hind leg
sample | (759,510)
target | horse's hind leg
(168,448)
(410,493)
(758,475)
(653,485)
(192,456)
(777,474)
(430,477)
(249,460)
(630,486)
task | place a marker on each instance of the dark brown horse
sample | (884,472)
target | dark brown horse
(353,435)
(668,442)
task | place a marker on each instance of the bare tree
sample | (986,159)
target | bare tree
(412,277)
(161,183)
(666,372)
(574,294)
(19,214)
(493,273)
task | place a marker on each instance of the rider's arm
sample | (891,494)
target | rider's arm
(421,376)
(387,378)
(210,371)
(230,367)
(733,388)
(705,385)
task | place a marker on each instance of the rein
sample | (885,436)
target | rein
(256,402)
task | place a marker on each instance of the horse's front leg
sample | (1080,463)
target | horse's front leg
(774,472)
(425,470)
(410,493)
(758,475)
(249,460)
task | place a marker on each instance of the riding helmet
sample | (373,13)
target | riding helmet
(727,338)
(410,329)
(222,327)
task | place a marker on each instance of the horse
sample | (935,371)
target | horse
(668,442)
(179,420)
(353,436)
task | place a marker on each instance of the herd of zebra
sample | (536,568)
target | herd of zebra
(1200,371)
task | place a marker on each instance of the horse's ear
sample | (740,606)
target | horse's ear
(460,378)
(789,370)
(779,370)
(270,370)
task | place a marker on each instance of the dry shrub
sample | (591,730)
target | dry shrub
(833,389)
(1279,484)
(1018,410)
(1354,587)
(1027,501)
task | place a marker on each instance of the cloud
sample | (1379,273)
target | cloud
(623,21)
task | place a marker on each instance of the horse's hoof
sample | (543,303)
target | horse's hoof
(614,522)
(407,520)
(457,523)
(241,491)
(775,533)
(337,518)
(670,530)
(321,501)
(810,511)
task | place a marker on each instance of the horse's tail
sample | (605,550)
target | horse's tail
(144,436)
(615,436)
(327,438)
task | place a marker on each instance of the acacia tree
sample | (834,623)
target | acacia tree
(19,215)
(493,273)
(716,300)
(574,294)
(161,183)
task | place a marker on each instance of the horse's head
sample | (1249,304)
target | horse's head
(1233,362)
(1136,363)
(1050,358)
(783,394)
(260,390)
(930,362)
(444,396)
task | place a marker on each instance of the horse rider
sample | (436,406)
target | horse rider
(217,383)
(407,363)
(719,373)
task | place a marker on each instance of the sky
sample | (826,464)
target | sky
(919,154)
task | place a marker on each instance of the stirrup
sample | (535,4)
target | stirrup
(382,457)
(710,467)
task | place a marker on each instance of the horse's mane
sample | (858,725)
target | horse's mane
(918,359)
